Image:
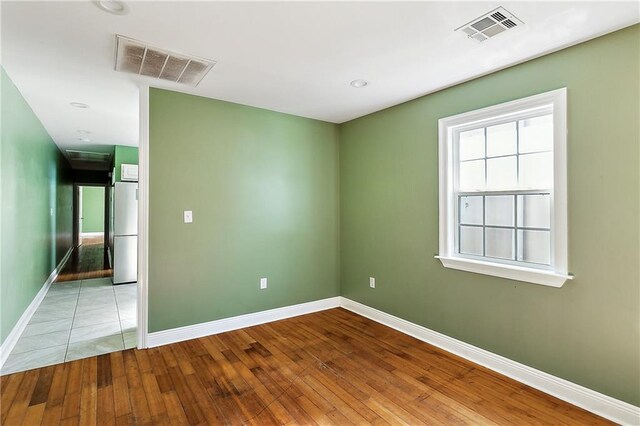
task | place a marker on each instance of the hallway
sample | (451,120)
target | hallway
(86,262)
(77,319)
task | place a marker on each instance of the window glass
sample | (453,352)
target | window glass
(502,173)
(534,246)
(536,171)
(471,145)
(472,175)
(500,243)
(471,210)
(534,211)
(471,240)
(536,134)
(500,210)
(502,140)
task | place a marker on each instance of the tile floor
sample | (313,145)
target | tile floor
(77,319)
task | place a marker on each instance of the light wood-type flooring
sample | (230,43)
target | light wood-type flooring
(330,367)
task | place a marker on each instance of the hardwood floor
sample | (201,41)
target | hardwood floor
(87,261)
(330,367)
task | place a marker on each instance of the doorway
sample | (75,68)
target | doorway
(91,215)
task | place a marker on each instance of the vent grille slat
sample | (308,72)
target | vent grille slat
(87,156)
(153,63)
(490,25)
(193,69)
(173,68)
(136,57)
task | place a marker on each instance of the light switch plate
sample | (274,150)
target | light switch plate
(372,282)
(263,283)
(188,216)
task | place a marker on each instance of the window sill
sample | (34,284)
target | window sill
(530,275)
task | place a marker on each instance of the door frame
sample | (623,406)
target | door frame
(143,219)
(77,205)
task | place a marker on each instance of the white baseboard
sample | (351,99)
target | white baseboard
(227,324)
(11,340)
(602,405)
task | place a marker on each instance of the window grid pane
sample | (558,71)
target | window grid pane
(530,244)
(531,239)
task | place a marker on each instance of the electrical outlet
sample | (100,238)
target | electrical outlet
(188,216)
(263,283)
(372,282)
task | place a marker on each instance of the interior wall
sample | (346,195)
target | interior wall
(587,331)
(36,206)
(92,209)
(124,155)
(263,188)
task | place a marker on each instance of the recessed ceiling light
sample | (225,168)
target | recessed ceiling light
(113,6)
(358,84)
(84,140)
(79,105)
(84,132)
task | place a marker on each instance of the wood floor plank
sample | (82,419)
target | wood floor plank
(9,387)
(330,367)
(87,261)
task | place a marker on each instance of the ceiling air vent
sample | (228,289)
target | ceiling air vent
(87,155)
(490,24)
(141,58)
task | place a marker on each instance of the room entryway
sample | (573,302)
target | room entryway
(77,319)
(91,215)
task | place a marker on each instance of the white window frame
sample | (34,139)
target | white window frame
(557,273)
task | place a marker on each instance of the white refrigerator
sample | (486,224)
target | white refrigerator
(125,232)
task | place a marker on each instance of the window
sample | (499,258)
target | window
(503,200)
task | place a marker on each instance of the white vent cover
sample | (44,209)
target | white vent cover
(75,155)
(141,58)
(490,25)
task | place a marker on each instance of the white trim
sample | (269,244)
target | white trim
(557,274)
(17,330)
(530,275)
(241,321)
(602,405)
(143,220)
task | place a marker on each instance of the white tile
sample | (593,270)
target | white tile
(98,293)
(63,285)
(128,324)
(94,331)
(98,310)
(127,314)
(60,296)
(41,341)
(94,347)
(95,302)
(97,282)
(34,329)
(59,301)
(130,339)
(45,316)
(34,359)
(93,319)
(48,307)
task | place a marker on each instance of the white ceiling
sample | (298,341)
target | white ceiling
(296,58)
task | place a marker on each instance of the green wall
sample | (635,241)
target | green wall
(36,206)
(263,188)
(587,331)
(92,209)
(124,155)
